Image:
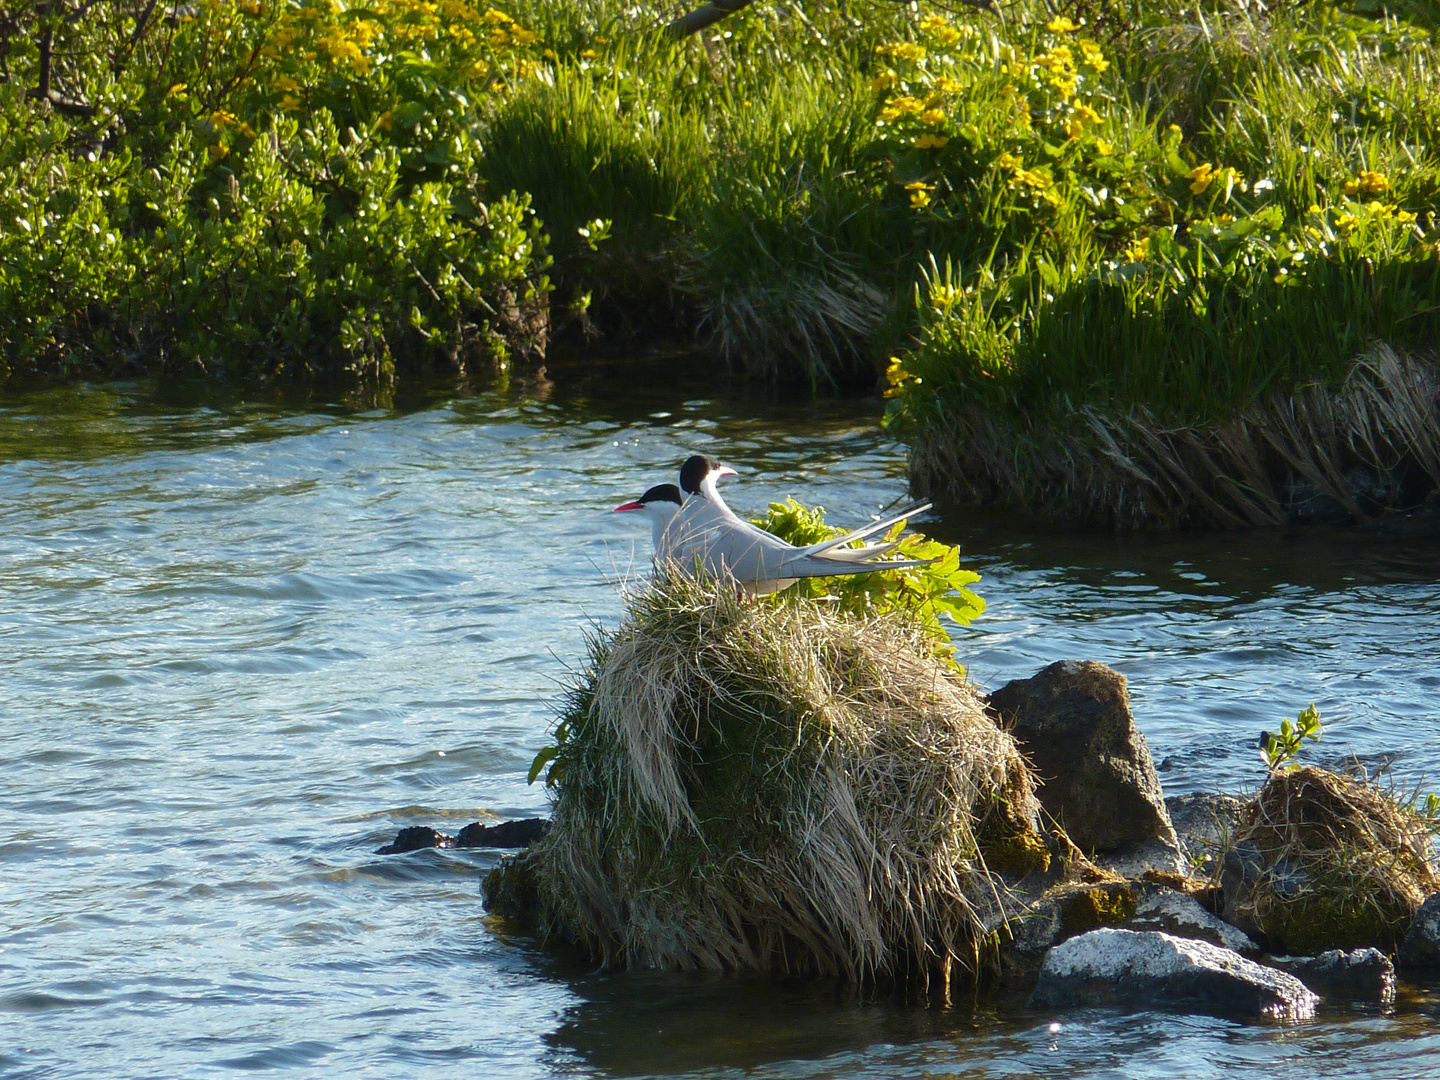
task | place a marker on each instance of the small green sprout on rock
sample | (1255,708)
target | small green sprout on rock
(1277,750)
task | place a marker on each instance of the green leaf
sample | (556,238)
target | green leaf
(543,758)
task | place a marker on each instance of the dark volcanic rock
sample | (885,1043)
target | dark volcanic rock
(413,839)
(1097,778)
(1204,822)
(1147,968)
(508,834)
(1421,947)
(1363,974)
(512,890)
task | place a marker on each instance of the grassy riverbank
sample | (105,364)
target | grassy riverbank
(1119,249)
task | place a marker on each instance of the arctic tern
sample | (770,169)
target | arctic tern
(702,533)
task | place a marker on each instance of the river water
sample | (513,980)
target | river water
(243,642)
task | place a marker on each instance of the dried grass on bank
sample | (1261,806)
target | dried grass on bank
(1372,445)
(1343,864)
(773,787)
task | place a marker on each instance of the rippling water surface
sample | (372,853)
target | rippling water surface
(243,643)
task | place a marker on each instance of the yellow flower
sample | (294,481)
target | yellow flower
(1008,160)
(903,50)
(1136,250)
(895,377)
(946,85)
(932,117)
(286,84)
(931,141)
(178,90)
(219,151)
(1086,114)
(1105,148)
(1314,209)
(1094,58)
(289,103)
(1201,177)
(884,81)
(496,18)
(1061,25)
(1404,216)
(1368,183)
(919,193)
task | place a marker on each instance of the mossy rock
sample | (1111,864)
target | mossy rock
(1110,903)
(1325,861)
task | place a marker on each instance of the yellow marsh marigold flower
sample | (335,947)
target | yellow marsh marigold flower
(931,141)
(896,377)
(919,193)
(289,103)
(1061,25)
(1093,58)
(285,84)
(901,106)
(932,117)
(903,50)
(1367,183)
(496,18)
(884,81)
(1201,177)
(1008,160)
(1085,113)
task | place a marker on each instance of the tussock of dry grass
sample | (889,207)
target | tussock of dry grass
(1344,865)
(774,787)
(1259,468)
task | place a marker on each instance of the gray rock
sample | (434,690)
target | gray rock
(1182,916)
(1097,778)
(1133,860)
(1147,968)
(1363,974)
(1421,947)
(1204,823)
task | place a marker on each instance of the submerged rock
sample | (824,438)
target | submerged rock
(1363,974)
(1096,775)
(414,838)
(1147,968)
(1179,915)
(1421,947)
(508,834)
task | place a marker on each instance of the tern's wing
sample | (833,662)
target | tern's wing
(860,554)
(810,566)
(707,533)
(866,530)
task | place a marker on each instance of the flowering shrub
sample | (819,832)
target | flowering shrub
(269,187)
(1087,237)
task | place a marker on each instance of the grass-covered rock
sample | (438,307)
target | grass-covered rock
(775,786)
(1323,861)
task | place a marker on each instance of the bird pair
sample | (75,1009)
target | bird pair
(695,529)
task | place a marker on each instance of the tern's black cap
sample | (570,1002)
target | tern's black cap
(661,493)
(695,470)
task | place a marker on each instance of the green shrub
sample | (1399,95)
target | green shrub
(261,188)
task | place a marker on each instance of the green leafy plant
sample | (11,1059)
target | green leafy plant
(927,593)
(1277,749)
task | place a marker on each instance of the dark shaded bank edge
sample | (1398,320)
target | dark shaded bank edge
(1354,454)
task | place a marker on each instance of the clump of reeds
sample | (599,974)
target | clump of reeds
(778,787)
(1342,863)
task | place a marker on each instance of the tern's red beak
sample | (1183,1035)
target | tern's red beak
(628,506)
(724,471)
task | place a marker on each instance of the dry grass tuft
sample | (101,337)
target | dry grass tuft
(1365,448)
(777,788)
(1342,864)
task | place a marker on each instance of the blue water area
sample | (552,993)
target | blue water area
(245,640)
